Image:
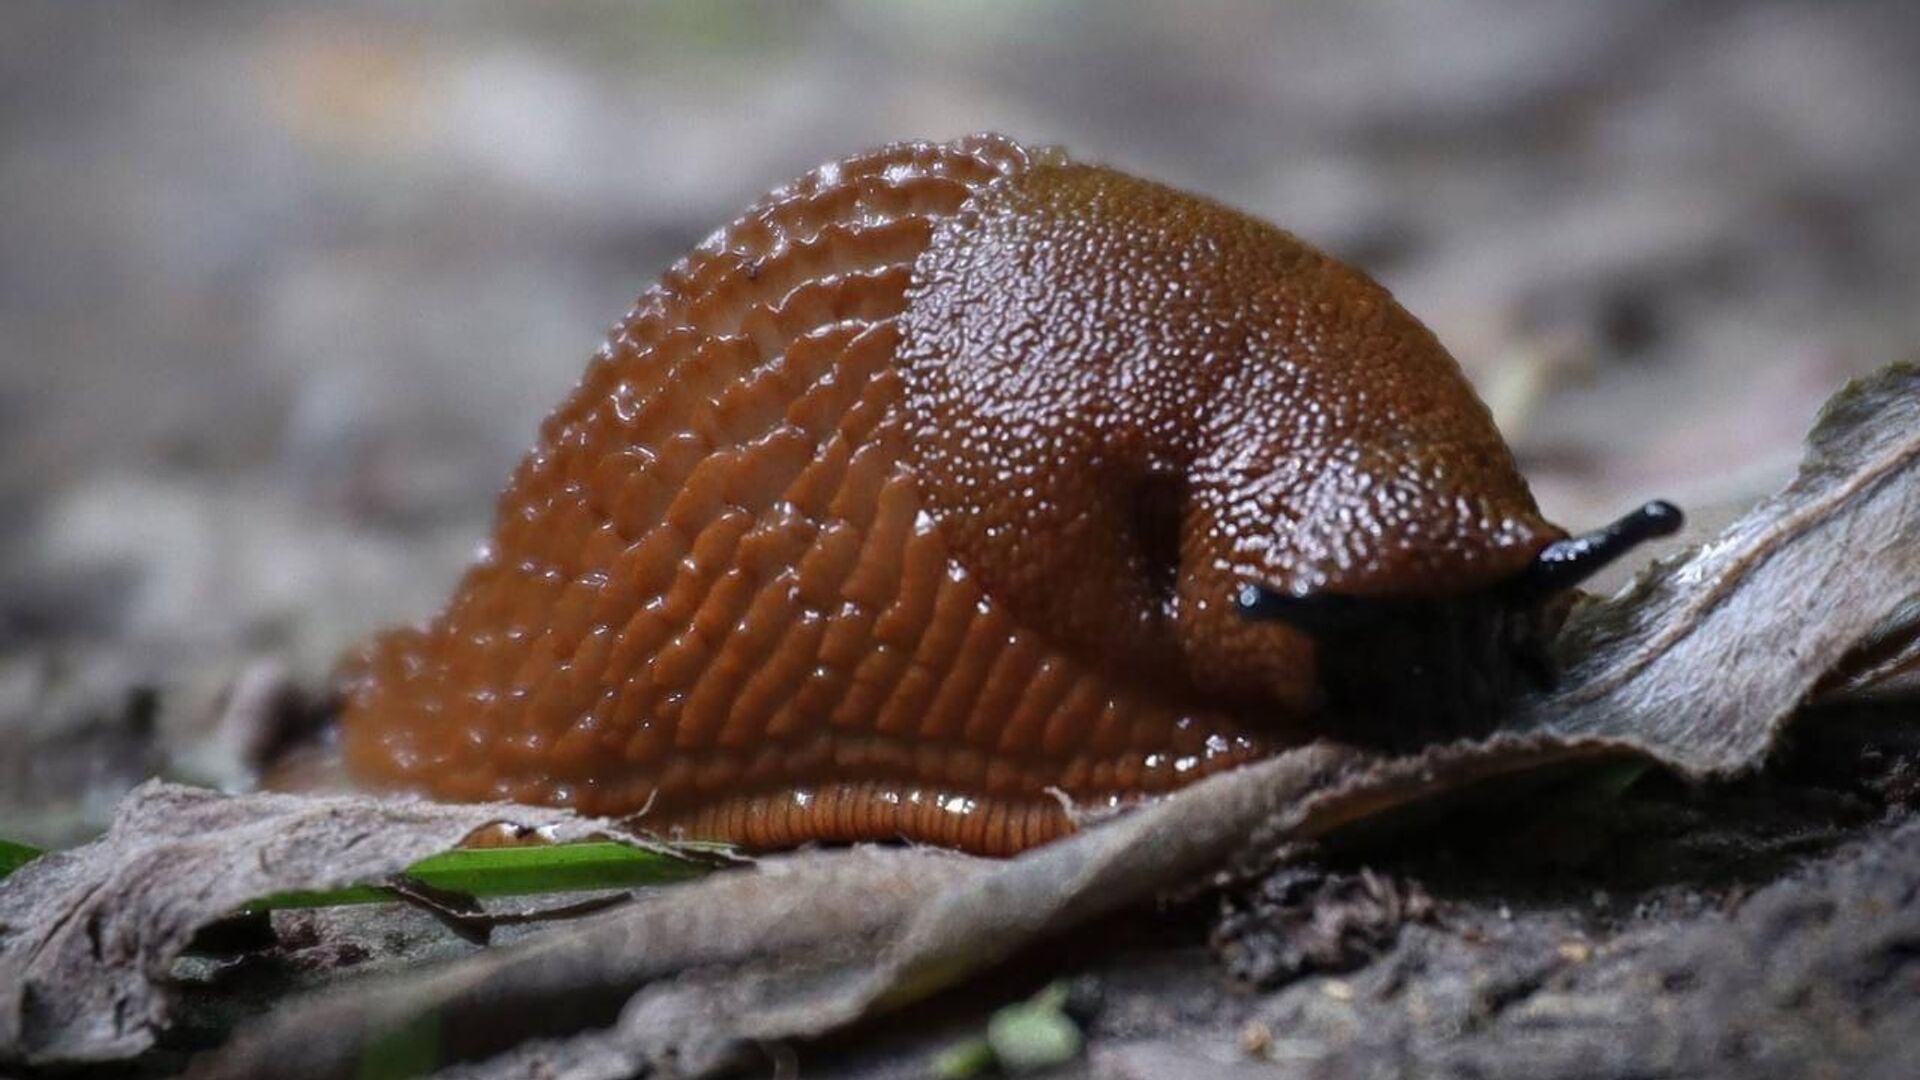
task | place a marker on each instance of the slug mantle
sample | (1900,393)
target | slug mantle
(951,479)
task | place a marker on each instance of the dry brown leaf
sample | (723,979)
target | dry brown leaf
(1885,667)
(1700,660)
(1698,666)
(86,936)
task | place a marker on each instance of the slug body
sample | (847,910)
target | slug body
(933,488)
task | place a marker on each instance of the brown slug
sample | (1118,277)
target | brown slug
(954,483)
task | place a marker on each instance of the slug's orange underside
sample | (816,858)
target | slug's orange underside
(868,523)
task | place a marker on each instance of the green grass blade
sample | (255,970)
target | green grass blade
(14,856)
(515,871)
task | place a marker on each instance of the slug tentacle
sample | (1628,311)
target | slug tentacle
(1566,563)
(925,491)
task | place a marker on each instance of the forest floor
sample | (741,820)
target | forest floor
(283,295)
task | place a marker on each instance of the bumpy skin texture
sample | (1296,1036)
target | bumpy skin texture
(916,498)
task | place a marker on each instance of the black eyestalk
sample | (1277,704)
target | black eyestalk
(1560,566)
(1565,563)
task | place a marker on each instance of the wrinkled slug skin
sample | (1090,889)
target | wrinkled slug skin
(915,499)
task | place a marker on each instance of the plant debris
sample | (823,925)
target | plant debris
(1302,919)
(87,936)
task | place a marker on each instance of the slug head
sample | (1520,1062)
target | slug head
(1405,672)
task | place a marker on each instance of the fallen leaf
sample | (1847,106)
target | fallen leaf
(87,935)
(1700,660)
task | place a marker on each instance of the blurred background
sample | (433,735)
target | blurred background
(285,288)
